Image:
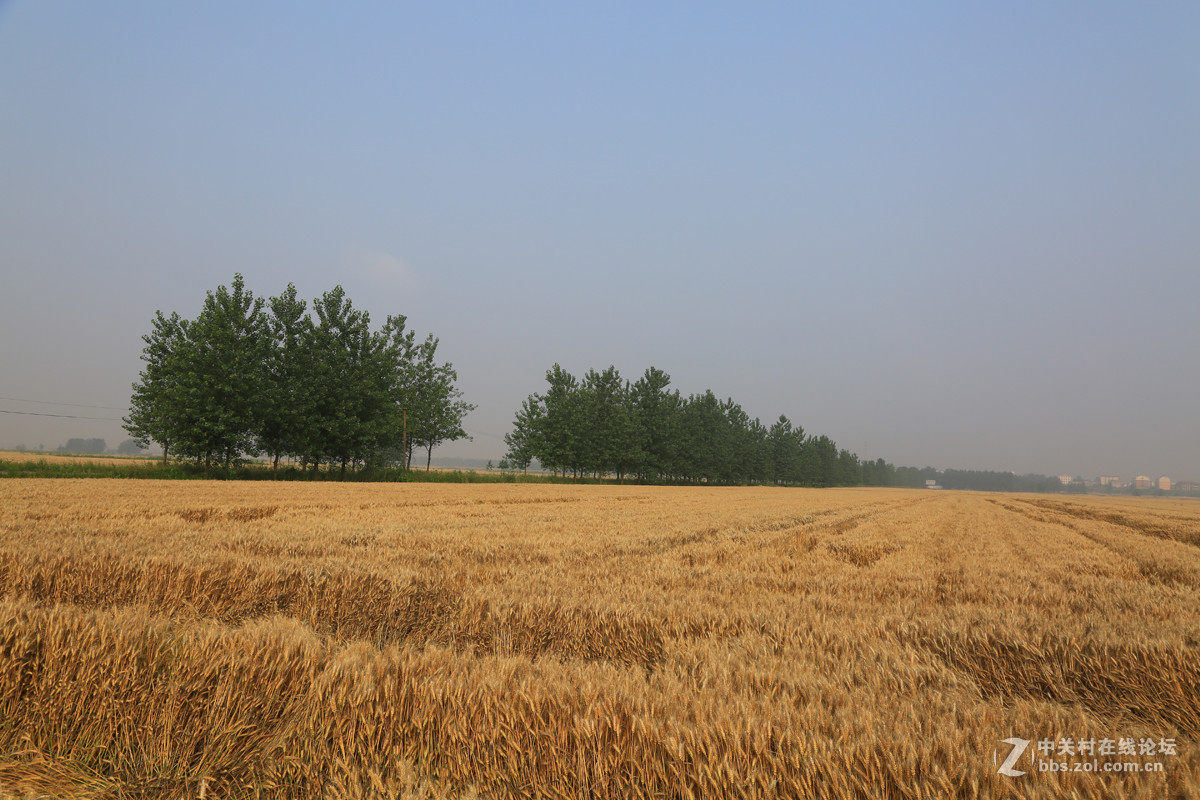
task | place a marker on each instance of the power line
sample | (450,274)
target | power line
(52,403)
(63,416)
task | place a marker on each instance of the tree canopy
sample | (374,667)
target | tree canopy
(604,425)
(251,376)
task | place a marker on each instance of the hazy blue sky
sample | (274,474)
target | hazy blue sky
(941,233)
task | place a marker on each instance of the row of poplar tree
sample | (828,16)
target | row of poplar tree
(252,377)
(605,425)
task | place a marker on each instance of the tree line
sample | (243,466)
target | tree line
(604,425)
(98,446)
(974,479)
(88,446)
(253,376)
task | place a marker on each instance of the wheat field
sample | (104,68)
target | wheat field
(23,457)
(241,640)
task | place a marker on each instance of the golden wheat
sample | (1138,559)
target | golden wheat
(186,639)
(23,457)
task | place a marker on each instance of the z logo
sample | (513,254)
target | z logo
(1018,747)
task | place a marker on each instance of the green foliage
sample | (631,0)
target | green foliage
(436,407)
(878,473)
(785,443)
(348,383)
(224,377)
(158,410)
(249,377)
(656,420)
(200,391)
(560,439)
(603,426)
(608,442)
(108,468)
(606,426)
(977,480)
(524,439)
(284,421)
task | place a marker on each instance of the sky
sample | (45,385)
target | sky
(962,235)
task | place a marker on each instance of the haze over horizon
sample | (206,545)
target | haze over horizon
(951,235)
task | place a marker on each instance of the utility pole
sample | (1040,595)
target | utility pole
(404,441)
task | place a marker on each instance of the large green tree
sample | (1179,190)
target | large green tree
(656,417)
(524,441)
(437,407)
(200,392)
(285,406)
(562,423)
(608,439)
(158,407)
(225,381)
(786,442)
(238,381)
(820,461)
(350,390)
(707,443)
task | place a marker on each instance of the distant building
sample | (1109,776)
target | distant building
(1065,479)
(932,484)
(1187,486)
(1164,483)
(1110,480)
(1142,482)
